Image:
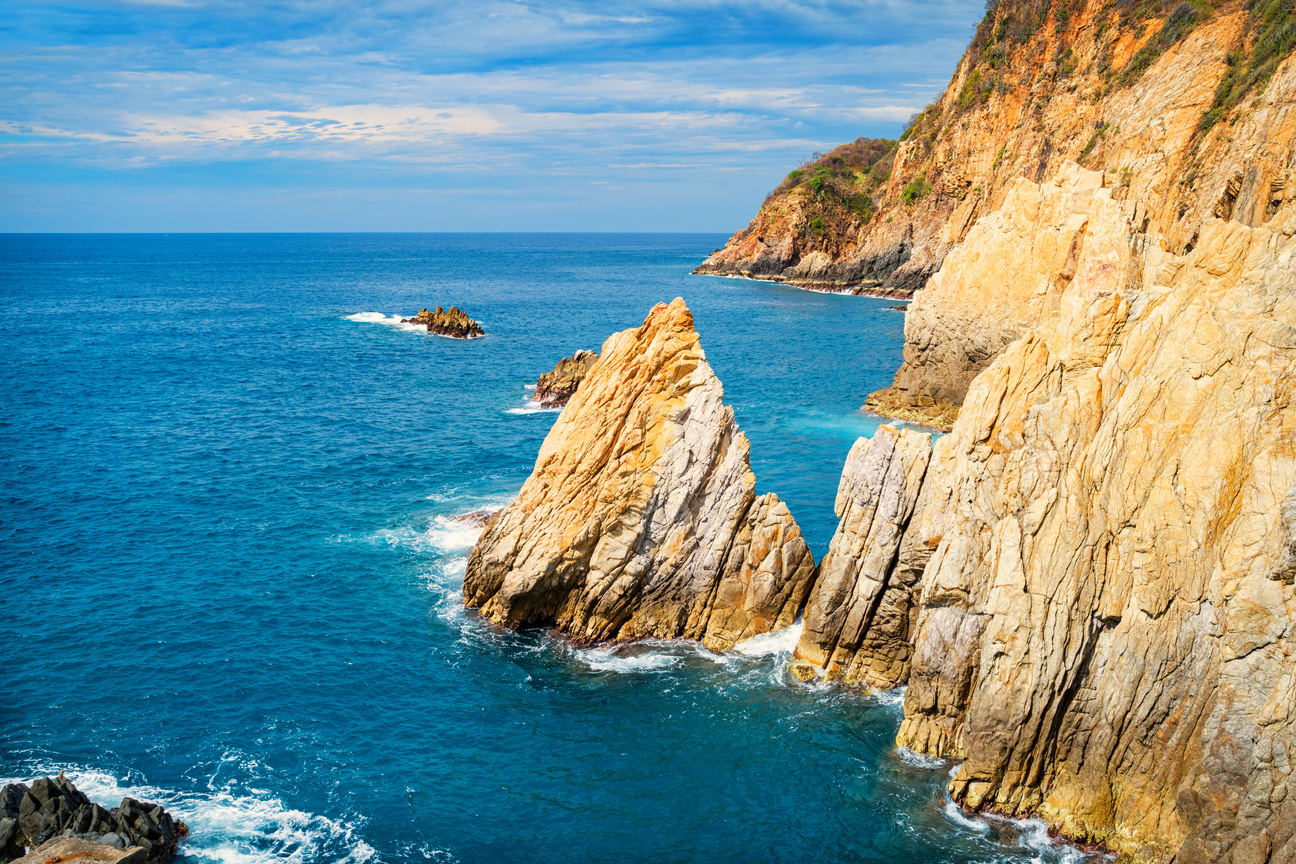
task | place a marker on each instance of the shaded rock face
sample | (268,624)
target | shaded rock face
(453,323)
(1103,632)
(51,808)
(554,389)
(858,618)
(640,518)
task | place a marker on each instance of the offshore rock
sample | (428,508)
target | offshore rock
(30,816)
(554,389)
(641,519)
(859,616)
(455,323)
(1105,634)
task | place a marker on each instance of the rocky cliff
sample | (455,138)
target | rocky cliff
(1103,634)
(554,389)
(1188,110)
(641,517)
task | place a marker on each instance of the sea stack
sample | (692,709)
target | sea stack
(641,518)
(554,389)
(454,323)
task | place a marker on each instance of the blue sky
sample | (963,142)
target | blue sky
(674,115)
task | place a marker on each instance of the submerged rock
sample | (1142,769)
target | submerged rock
(641,518)
(453,323)
(554,389)
(52,808)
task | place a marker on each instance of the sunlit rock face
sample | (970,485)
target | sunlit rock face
(641,518)
(1104,631)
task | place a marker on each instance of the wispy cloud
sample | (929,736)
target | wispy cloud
(707,103)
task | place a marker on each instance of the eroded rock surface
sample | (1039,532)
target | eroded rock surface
(454,323)
(1105,634)
(554,389)
(641,518)
(858,618)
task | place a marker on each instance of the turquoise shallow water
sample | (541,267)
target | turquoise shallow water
(229,583)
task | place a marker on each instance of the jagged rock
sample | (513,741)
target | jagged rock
(50,808)
(554,389)
(1105,635)
(641,518)
(63,849)
(453,323)
(858,618)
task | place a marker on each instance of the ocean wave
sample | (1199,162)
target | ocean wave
(388,320)
(609,660)
(226,825)
(532,407)
(773,643)
(919,760)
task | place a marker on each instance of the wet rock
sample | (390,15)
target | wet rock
(554,389)
(453,323)
(52,808)
(475,518)
(641,518)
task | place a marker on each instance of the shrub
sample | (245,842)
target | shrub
(915,190)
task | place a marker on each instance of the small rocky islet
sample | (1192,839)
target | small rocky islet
(554,389)
(453,323)
(53,820)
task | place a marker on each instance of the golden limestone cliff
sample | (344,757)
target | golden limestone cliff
(641,518)
(1105,631)
(1189,111)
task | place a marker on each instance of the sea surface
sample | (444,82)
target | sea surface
(229,582)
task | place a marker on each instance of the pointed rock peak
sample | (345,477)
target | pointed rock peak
(640,518)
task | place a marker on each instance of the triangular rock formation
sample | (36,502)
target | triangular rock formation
(641,518)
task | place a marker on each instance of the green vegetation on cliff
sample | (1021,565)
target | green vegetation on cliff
(847,177)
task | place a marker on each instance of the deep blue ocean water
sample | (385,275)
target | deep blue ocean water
(230,584)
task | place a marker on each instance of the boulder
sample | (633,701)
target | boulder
(64,849)
(52,808)
(554,389)
(641,517)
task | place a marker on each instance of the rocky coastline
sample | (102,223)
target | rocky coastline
(555,389)
(453,323)
(52,820)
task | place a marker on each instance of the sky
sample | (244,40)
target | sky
(397,115)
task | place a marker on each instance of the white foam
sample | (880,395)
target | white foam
(892,698)
(608,660)
(532,407)
(956,815)
(775,642)
(388,320)
(229,827)
(528,386)
(919,760)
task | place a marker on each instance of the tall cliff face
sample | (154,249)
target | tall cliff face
(641,518)
(1105,631)
(1129,89)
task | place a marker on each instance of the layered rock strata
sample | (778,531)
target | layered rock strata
(31,816)
(63,849)
(859,616)
(554,389)
(641,518)
(453,323)
(1104,631)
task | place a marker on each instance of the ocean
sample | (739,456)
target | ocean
(231,585)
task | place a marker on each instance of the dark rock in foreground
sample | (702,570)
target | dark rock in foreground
(556,387)
(31,816)
(455,323)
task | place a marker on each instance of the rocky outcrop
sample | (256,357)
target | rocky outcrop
(858,618)
(554,389)
(453,323)
(1189,111)
(1103,633)
(475,518)
(56,808)
(64,849)
(641,518)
